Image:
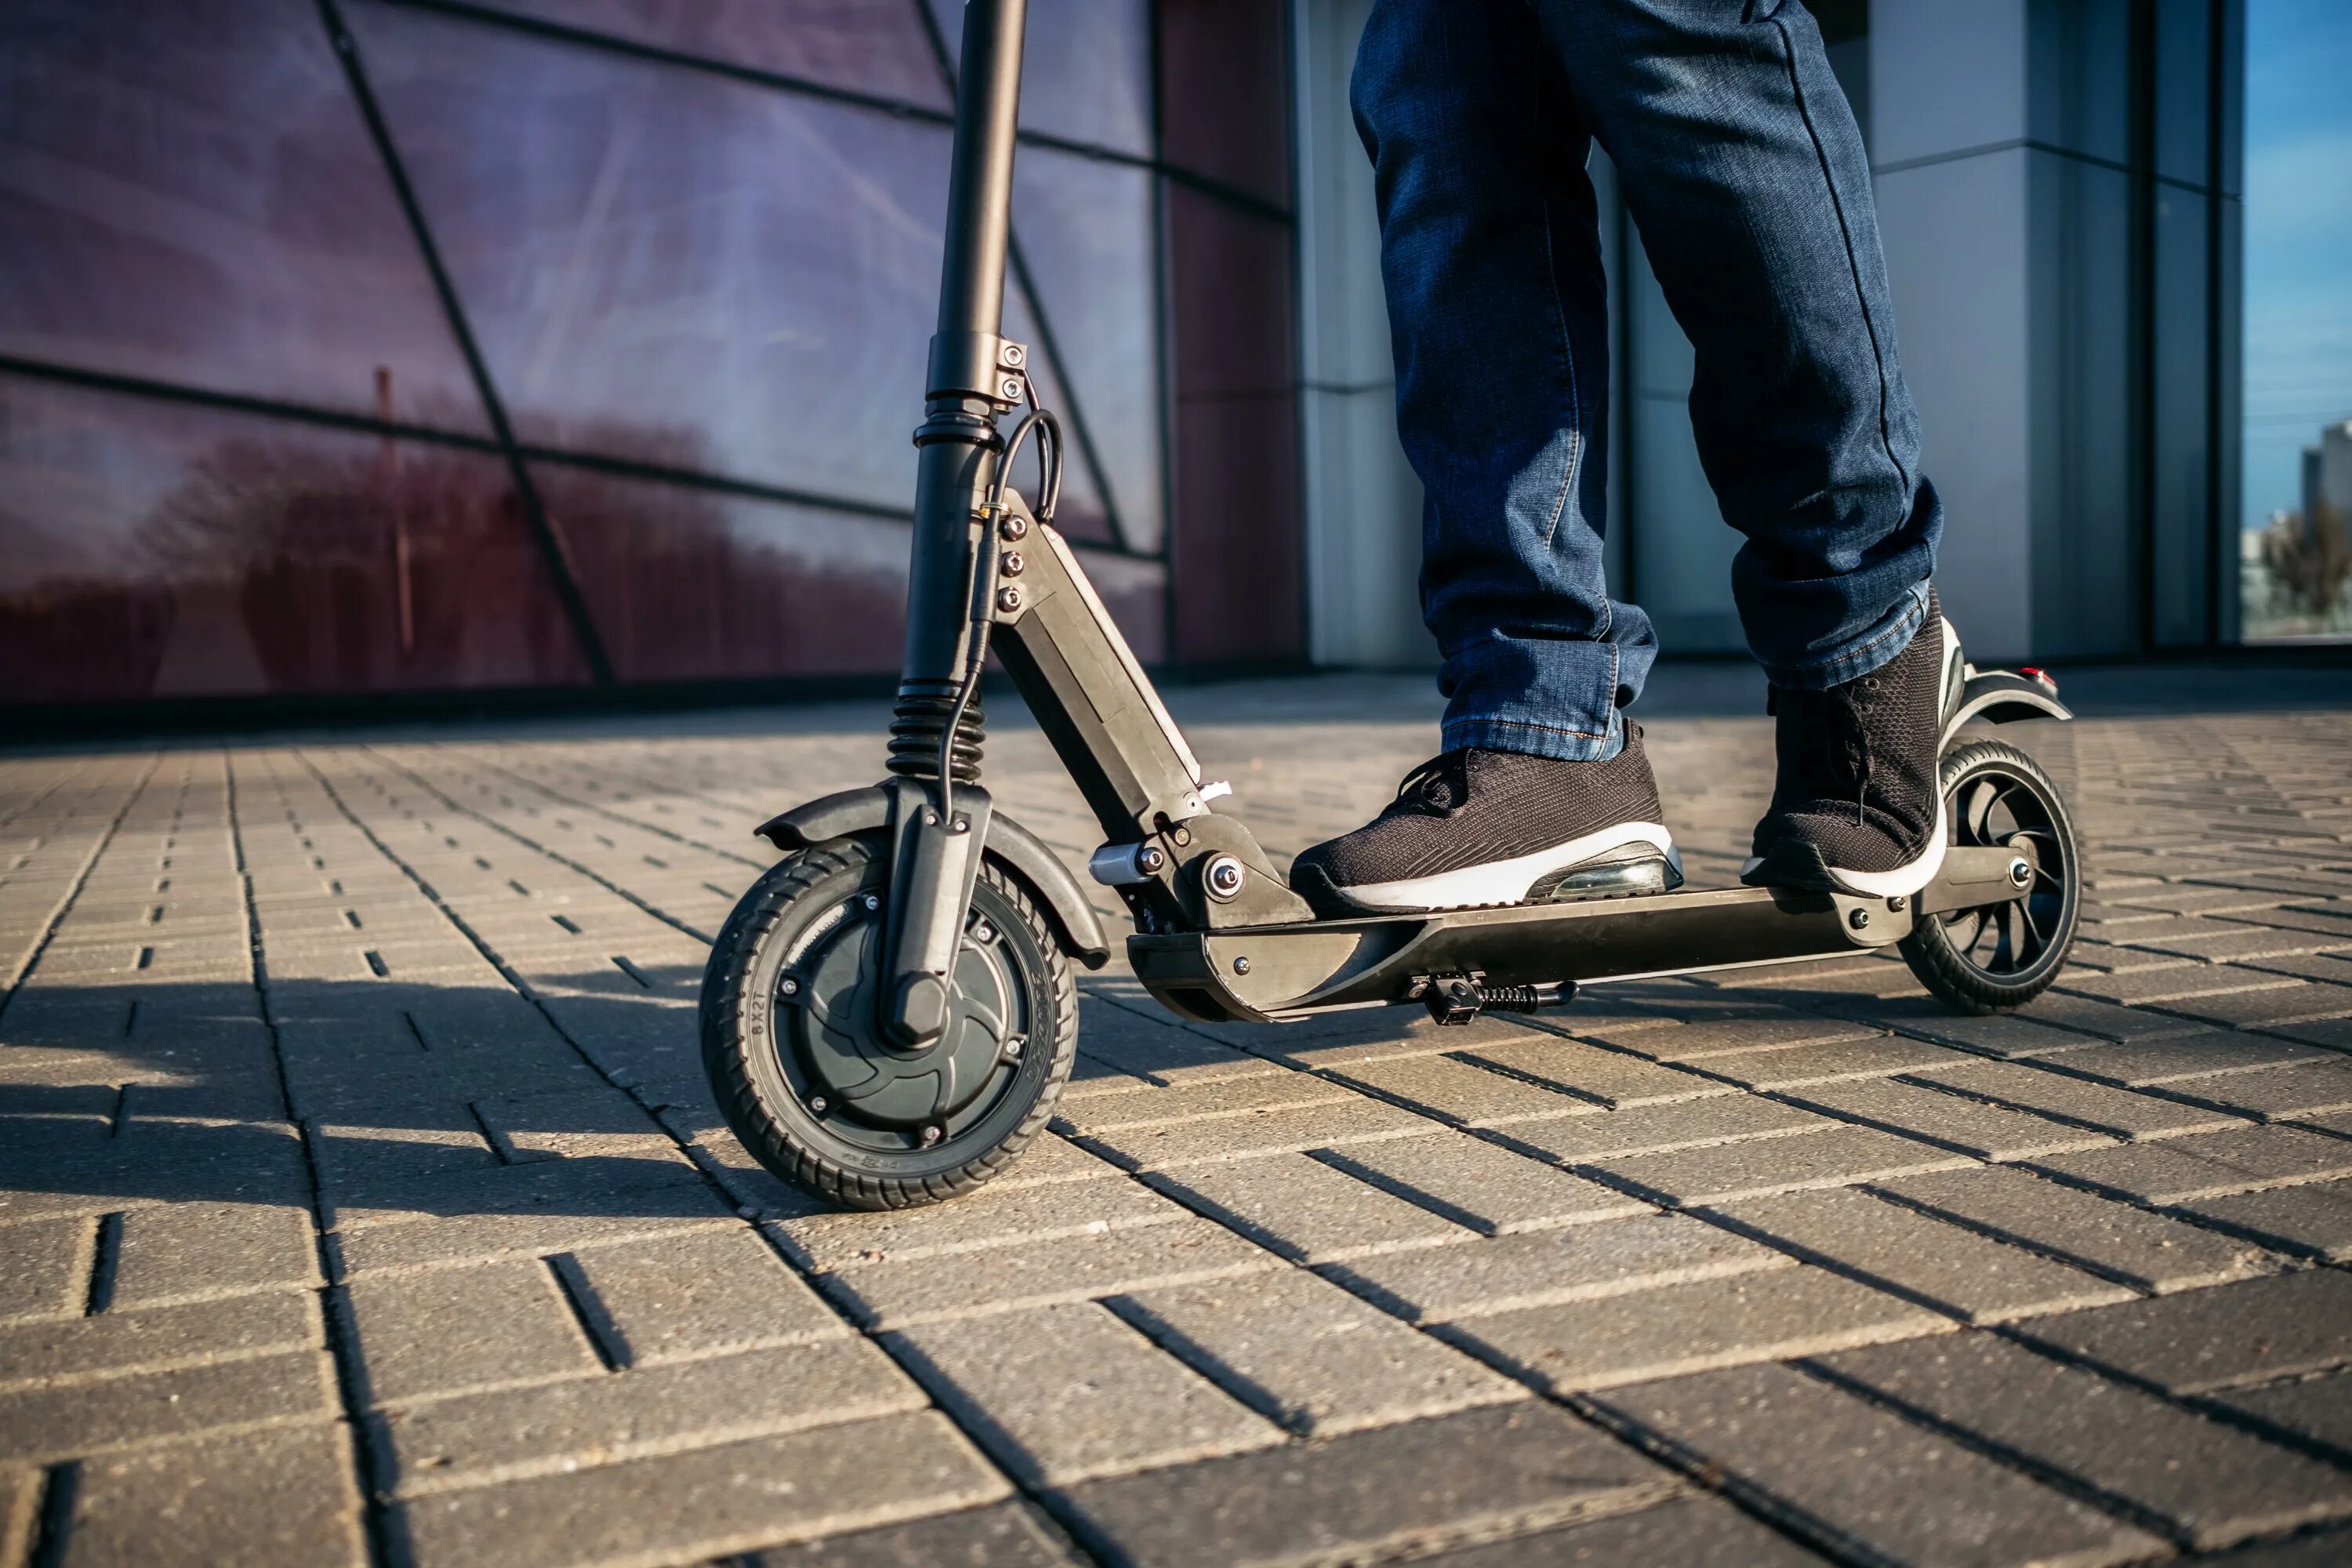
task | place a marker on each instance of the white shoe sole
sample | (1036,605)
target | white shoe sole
(1508,881)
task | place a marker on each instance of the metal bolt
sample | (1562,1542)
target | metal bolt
(1014,527)
(932,1135)
(1013,354)
(1011,389)
(931,817)
(816,1105)
(1240,965)
(984,931)
(1149,859)
(1008,598)
(2020,872)
(788,986)
(1896,903)
(1183,835)
(1222,875)
(1012,564)
(1012,1048)
(1858,918)
(872,900)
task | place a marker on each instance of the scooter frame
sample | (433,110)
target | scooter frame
(1219,932)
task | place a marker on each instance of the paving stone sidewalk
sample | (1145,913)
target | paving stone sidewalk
(361,1200)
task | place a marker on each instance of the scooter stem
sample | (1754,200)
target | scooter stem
(974,375)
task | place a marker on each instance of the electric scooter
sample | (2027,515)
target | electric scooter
(890,1014)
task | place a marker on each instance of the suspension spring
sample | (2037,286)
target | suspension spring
(914,727)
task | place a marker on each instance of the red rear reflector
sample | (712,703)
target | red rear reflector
(2042,676)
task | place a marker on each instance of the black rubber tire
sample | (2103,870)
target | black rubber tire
(752,1084)
(1946,966)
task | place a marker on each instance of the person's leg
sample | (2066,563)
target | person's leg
(1740,161)
(1490,254)
(1497,311)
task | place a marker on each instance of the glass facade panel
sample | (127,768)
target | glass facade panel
(2295,486)
(1085,231)
(1085,69)
(161,549)
(666,265)
(187,194)
(689,583)
(866,45)
(701,298)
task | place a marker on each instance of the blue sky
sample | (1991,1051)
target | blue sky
(2298,236)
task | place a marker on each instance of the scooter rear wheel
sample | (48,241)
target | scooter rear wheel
(796,1058)
(2002,956)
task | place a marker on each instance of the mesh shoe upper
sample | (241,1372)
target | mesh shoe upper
(1472,808)
(1857,765)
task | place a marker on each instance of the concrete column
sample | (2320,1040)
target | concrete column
(1947,135)
(1363,503)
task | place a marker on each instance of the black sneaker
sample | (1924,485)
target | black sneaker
(1856,807)
(1472,827)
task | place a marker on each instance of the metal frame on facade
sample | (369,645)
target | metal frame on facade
(519,454)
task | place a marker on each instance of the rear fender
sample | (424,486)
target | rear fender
(2000,697)
(1022,852)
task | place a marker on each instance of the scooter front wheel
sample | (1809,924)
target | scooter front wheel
(2003,955)
(791,1040)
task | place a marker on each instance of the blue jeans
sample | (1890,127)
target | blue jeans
(1740,159)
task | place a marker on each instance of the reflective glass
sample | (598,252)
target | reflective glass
(689,584)
(692,583)
(1084,227)
(158,549)
(188,194)
(660,264)
(868,46)
(2296,479)
(1085,69)
(1236,538)
(1225,93)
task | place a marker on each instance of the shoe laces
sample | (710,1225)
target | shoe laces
(1840,759)
(1438,787)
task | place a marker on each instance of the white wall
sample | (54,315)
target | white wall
(1949,95)
(1363,503)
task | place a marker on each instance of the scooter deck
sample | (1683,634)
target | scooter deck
(1276,974)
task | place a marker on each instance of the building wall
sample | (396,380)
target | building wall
(2056,188)
(369,346)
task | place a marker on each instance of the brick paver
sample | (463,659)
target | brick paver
(361,1200)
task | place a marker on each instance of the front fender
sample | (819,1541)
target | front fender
(1998,697)
(867,810)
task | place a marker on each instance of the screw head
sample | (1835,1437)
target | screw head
(1014,527)
(1183,835)
(982,931)
(1896,903)
(1223,877)
(1240,965)
(1012,564)
(872,900)
(932,1134)
(1858,918)
(1151,858)
(2020,872)
(817,1105)
(788,986)
(1010,389)
(1008,598)
(1012,1048)
(1013,354)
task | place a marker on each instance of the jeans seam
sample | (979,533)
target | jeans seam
(1845,236)
(1903,624)
(1528,724)
(1567,356)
